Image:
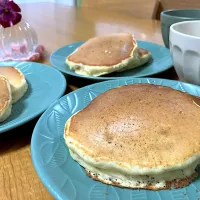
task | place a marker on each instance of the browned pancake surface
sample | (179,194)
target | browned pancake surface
(143,125)
(104,50)
(12,75)
(142,52)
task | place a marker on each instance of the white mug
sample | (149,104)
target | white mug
(185,50)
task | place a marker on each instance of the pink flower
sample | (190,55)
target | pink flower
(9,13)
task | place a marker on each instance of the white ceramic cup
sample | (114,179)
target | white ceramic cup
(185,50)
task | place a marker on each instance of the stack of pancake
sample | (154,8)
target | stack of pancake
(13,86)
(106,54)
(137,136)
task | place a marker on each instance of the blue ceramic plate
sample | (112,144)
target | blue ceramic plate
(67,180)
(161,61)
(42,92)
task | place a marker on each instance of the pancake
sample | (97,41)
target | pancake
(106,54)
(137,136)
(5,99)
(17,81)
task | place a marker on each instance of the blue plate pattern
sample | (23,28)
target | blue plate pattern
(66,179)
(161,61)
(46,85)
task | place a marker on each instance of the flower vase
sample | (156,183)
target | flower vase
(18,42)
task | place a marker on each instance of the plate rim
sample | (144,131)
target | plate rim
(101,78)
(44,178)
(29,118)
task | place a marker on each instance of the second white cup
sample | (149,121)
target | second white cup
(185,50)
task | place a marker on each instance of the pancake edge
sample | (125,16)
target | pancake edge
(7,109)
(136,177)
(176,183)
(18,92)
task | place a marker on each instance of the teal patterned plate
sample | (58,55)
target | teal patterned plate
(161,61)
(67,180)
(46,85)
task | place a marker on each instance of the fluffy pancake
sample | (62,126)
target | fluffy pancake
(137,136)
(17,81)
(106,54)
(5,99)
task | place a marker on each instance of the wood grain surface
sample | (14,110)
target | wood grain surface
(148,10)
(56,26)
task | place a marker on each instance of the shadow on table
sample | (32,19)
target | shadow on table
(75,82)
(17,138)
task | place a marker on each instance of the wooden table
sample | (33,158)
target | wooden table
(56,26)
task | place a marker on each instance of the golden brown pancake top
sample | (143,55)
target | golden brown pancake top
(142,124)
(12,75)
(104,50)
(142,52)
(4,93)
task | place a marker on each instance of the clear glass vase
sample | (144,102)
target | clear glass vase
(17,42)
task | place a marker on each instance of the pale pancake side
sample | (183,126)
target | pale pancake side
(17,81)
(5,99)
(152,127)
(110,173)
